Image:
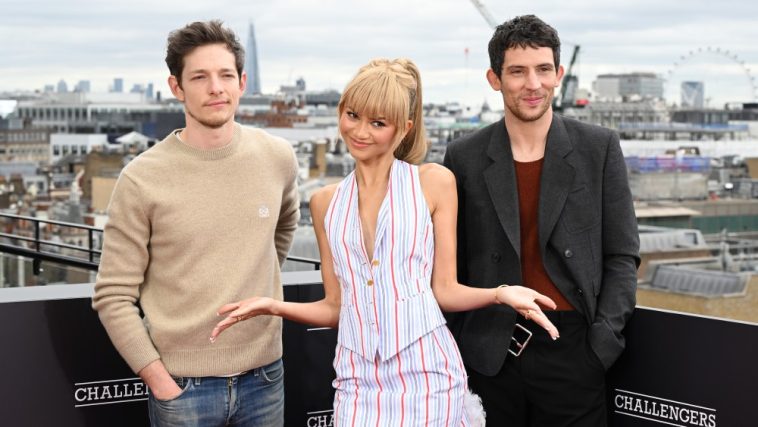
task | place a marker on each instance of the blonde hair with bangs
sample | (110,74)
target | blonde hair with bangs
(391,89)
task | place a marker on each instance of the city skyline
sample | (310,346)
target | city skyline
(325,42)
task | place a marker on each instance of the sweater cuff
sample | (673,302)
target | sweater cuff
(140,353)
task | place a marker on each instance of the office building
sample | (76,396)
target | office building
(693,94)
(62,87)
(118,85)
(83,86)
(626,87)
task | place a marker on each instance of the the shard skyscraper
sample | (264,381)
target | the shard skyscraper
(251,64)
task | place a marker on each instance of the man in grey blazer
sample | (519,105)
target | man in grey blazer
(544,202)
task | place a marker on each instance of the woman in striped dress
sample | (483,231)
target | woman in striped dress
(386,236)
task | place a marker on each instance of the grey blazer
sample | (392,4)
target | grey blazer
(587,233)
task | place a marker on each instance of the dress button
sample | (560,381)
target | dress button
(370,282)
(495,257)
(375,262)
(580,292)
(567,253)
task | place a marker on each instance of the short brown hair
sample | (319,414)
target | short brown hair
(523,31)
(183,41)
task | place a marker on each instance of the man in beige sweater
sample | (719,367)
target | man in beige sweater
(203,218)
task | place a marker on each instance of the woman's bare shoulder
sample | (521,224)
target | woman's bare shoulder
(321,198)
(435,175)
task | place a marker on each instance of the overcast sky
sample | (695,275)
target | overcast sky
(325,41)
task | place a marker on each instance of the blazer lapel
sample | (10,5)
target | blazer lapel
(500,178)
(557,178)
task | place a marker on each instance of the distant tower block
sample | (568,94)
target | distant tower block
(62,87)
(693,94)
(251,64)
(118,85)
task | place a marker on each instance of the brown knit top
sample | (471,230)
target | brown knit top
(532,270)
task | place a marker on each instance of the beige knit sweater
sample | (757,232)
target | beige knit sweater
(190,230)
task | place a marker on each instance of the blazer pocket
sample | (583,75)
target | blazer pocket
(579,212)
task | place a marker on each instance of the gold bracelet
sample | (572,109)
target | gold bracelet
(497,301)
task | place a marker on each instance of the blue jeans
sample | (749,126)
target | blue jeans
(254,399)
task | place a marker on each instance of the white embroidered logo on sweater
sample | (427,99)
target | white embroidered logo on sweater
(263,211)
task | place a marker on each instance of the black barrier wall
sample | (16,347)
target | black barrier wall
(682,370)
(59,368)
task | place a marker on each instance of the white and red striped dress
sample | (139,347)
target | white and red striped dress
(396,362)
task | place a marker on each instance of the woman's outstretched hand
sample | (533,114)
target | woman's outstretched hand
(527,302)
(241,310)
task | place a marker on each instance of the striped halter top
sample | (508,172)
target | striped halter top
(387,302)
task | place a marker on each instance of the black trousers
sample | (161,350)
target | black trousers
(552,383)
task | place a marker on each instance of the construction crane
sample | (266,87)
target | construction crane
(485,13)
(559,102)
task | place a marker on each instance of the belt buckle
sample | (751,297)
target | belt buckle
(520,345)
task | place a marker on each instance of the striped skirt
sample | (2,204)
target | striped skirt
(423,385)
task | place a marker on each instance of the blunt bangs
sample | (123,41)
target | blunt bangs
(376,93)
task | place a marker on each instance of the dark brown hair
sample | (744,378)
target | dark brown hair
(522,31)
(182,41)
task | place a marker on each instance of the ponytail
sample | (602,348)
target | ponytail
(414,145)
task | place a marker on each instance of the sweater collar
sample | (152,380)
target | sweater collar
(212,154)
